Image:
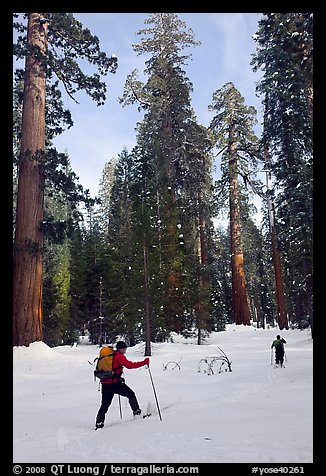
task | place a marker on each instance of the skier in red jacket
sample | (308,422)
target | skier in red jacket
(116,384)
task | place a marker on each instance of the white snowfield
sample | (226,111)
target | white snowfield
(255,414)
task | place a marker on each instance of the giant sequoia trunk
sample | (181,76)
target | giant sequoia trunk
(27,265)
(240,301)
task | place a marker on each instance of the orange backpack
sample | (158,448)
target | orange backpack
(104,363)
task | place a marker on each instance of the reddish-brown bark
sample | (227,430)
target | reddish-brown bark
(240,301)
(27,265)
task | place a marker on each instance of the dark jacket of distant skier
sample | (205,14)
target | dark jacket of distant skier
(278,345)
(116,384)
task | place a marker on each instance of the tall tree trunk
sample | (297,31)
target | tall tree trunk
(240,301)
(27,264)
(257,304)
(308,304)
(147,307)
(279,288)
(202,309)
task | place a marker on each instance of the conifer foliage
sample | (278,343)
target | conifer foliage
(285,53)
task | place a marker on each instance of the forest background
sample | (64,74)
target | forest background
(147,256)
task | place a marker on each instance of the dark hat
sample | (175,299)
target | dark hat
(121,345)
(278,336)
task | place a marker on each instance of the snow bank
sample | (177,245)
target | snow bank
(256,413)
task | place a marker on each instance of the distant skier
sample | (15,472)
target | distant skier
(278,345)
(116,384)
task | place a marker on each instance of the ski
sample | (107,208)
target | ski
(145,415)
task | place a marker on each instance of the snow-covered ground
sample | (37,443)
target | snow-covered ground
(255,414)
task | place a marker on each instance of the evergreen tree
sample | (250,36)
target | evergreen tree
(89,268)
(56,296)
(47,35)
(255,267)
(61,194)
(285,45)
(232,125)
(223,276)
(104,194)
(173,147)
(282,318)
(125,279)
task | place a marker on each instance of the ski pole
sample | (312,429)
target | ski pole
(120,407)
(158,408)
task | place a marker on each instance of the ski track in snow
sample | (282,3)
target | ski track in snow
(257,413)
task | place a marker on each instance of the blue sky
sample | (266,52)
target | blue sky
(100,133)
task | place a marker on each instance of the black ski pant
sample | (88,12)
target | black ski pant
(108,392)
(279,356)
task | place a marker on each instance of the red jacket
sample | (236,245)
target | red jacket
(120,361)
